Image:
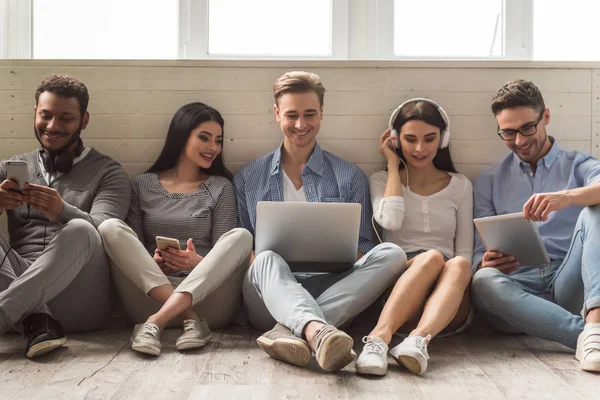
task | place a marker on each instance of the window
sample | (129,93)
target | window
(119,29)
(300,29)
(566,30)
(442,28)
(269,28)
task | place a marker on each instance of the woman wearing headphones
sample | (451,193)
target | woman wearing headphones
(186,195)
(426,208)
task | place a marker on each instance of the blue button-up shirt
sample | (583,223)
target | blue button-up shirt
(325,178)
(505,188)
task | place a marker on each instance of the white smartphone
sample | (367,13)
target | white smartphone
(16,170)
(164,243)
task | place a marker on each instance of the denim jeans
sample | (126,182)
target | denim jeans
(546,300)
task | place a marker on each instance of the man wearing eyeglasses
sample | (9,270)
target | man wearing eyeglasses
(561,191)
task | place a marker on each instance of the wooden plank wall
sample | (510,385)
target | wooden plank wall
(131,104)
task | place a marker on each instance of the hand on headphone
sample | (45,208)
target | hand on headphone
(386,149)
(44,199)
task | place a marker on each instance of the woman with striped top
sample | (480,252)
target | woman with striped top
(186,195)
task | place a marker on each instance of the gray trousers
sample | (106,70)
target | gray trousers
(69,280)
(272,293)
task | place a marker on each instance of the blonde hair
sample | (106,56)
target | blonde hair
(298,82)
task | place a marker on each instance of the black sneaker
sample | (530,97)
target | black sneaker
(43,333)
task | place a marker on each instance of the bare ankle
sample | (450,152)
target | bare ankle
(155,319)
(309,331)
(381,333)
(593,316)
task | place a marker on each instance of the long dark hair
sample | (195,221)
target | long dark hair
(185,120)
(428,113)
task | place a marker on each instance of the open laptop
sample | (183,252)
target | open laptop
(311,237)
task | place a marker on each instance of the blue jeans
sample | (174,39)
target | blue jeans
(545,300)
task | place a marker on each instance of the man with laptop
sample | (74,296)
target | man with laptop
(301,308)
(560,191)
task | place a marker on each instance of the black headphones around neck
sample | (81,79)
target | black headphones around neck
(61,161)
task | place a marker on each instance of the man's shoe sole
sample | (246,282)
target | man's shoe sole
(291,351)
(192,343)
(336,352)
(45,347)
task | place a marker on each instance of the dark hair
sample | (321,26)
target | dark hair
(65,86)
(299,82)
(518,93)
(185,120)
(428,113)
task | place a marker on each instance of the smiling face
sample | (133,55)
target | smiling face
(204,144)
(299,116)
(419,142)
(528,148)
(57,120)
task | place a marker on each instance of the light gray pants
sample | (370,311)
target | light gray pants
(69,280)
(215,283)
(273,293)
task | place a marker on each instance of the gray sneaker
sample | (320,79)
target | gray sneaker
(146,338)
(281,344)
(333,348)
(196,333)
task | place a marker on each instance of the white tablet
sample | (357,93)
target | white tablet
(511,234)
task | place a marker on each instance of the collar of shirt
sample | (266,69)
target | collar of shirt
(545,161)
(315,162)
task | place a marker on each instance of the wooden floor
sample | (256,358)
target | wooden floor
(478,364)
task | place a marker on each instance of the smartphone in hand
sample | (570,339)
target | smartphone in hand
(164,243)
(16,170)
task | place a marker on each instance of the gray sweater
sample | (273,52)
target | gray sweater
(96,189)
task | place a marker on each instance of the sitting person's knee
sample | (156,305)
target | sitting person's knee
(393,254)
(109,228)
(80,229)
(459,269)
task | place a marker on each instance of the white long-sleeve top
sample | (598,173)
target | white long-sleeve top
(442,221)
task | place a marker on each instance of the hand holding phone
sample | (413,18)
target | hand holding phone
(164,243)
(16,170)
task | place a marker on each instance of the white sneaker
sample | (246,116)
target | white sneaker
(196,333)
(373,358)
(412,353)
(588,348)
(146,338)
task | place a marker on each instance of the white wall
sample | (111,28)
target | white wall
(131,104)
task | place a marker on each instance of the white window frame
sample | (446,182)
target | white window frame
(193,34)
(360,30)
(16,28)
(517,35)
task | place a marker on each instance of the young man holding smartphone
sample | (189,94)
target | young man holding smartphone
(54,267)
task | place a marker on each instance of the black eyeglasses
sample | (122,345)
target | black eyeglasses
(527,130)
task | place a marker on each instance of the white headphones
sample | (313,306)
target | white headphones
(444,135)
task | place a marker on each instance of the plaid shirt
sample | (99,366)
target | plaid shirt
(325,178)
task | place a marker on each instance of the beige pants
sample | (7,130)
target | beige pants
(215,283)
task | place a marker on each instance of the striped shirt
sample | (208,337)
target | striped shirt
(325,178)
(203,215)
